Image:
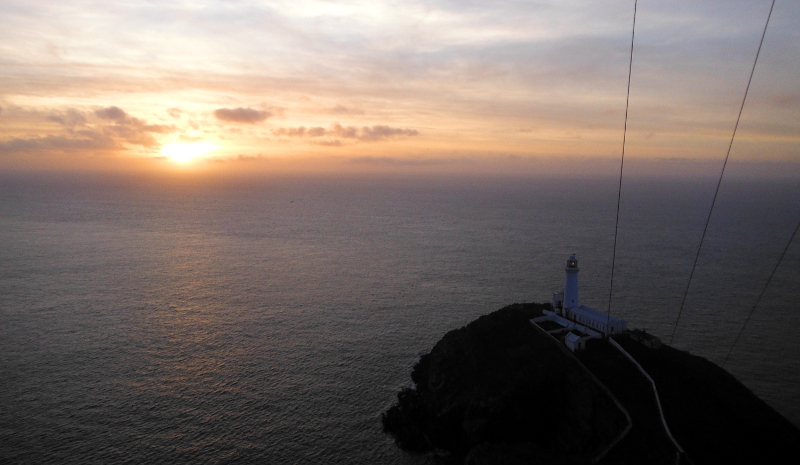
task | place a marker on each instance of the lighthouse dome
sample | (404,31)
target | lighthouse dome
(572,262)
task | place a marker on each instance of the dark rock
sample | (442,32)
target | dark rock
(500,387)
(714,417)
(501,391)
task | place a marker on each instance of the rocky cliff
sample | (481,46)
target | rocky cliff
(499,391)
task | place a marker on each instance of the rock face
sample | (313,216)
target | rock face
(501,391)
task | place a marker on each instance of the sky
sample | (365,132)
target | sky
(367,86)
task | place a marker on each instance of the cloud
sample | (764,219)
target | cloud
(130,129)
(70,119)
(366,133)
(174,112)
(111,113)
(89,140)
(300,131)
(385,132)
(241,115)
(137,135)
(348,132)
(115,129)
(316,132)
(342,110)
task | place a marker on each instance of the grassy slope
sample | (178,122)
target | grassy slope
(647,441)
(498,382)
(714,417)
(499,391)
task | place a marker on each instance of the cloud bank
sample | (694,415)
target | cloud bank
(241,115)
(104,129)
(365,134)
(470,75)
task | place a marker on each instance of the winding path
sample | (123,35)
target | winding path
(648,441)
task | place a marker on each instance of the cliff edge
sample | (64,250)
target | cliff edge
(499,390)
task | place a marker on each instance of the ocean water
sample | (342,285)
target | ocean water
(272,320)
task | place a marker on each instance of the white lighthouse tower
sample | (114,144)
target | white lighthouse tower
(576,318)
(571,286)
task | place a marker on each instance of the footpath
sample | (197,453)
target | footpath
(647,441)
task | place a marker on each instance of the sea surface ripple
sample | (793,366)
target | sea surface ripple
(272,321)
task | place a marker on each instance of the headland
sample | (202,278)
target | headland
(503,390)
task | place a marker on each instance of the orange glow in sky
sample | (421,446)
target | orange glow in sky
(422,85)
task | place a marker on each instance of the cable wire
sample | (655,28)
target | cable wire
(621,165)
(758,300)
(719,182)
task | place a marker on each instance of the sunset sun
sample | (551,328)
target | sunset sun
(183,152)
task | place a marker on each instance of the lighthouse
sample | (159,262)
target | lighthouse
(571,286)
(580,321)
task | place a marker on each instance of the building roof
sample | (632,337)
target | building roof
(595,315)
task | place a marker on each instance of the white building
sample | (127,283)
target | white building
(574,342)
(566,305)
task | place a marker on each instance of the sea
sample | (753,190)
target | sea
(272,319)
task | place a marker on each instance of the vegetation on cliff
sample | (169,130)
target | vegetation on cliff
(714,417)
(500,391)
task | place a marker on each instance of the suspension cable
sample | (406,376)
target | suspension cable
(621,165)
(758,300)
(719,182)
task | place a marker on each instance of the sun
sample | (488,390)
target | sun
(183,152)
